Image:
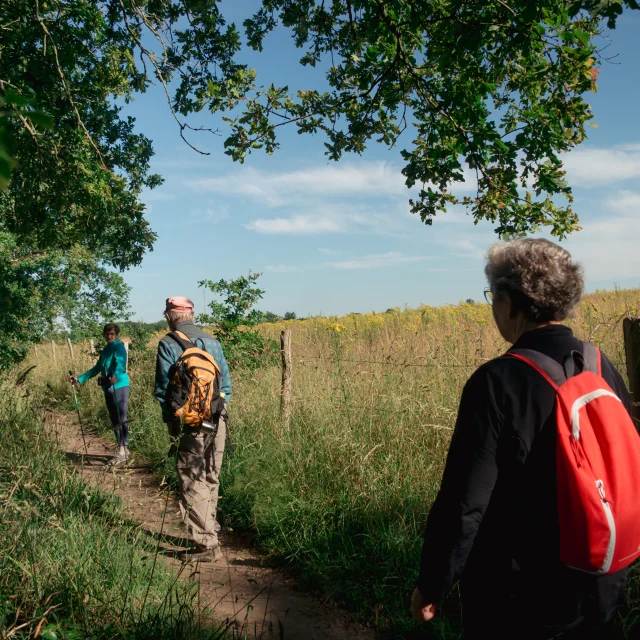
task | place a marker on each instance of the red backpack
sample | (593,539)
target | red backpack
(597,464)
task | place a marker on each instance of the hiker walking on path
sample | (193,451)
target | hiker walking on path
(539,508)
(111,370)
(201,430)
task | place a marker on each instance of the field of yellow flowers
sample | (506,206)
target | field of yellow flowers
(412,335)
(416,360)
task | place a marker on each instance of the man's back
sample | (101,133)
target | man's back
(169,351)
(198,458)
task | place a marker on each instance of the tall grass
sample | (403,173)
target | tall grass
(343,493)
(71,564)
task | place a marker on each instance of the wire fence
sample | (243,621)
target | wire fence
(386,410)
(442,365)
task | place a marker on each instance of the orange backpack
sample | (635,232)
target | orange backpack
(193,393)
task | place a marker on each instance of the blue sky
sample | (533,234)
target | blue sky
(332,238)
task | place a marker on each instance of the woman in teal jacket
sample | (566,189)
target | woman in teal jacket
(112,371)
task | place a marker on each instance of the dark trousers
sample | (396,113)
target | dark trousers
(554,608)
(481,629)
(117,404)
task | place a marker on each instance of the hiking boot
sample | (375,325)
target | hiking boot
(203,554)
(119,459)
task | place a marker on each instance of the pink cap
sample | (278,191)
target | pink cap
(179,304)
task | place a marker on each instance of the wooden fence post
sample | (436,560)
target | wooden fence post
(285,398)
(92,348)
(126,364)
(53,351)
(631,328)
(70,349)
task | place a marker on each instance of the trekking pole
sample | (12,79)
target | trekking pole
(75,400)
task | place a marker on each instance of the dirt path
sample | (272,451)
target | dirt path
(243,588)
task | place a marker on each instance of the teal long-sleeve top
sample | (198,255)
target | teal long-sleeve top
(112,361)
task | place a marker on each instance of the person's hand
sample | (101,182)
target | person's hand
(422,611)
(113,379)
(73,379)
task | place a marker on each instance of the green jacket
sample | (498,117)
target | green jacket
(113,362)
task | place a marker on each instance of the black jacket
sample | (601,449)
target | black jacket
(495,520)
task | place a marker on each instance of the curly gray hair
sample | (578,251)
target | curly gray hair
(540,278)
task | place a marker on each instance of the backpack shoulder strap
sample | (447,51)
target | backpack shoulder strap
(592,358)
(586,360)
(553,372)
(182,340)
(199,343)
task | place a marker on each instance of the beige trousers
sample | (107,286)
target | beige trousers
(199,475)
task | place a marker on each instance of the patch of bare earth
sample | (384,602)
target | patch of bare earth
(256,599)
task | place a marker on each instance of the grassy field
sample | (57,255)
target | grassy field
(71,565)
(342,494)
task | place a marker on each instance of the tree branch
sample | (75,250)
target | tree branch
(159,74)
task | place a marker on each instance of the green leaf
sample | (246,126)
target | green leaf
(16,99)
(41,120)
(5,172)
(583,36)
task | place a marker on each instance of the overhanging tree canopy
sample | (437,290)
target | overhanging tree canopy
(492,86)
(72,212)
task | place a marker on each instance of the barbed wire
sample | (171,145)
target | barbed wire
(386,411)
(393,364)
(413,364)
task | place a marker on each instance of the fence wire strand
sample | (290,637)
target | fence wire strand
(431,365)
(396,364)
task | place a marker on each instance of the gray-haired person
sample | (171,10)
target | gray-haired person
(495,522)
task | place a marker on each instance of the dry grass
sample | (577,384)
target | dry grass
(343,493)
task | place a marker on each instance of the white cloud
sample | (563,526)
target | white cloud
(356,218)
(625,203)
(607,245)
(344,180)
(296,225)
(392,219)
(598,167)
(390,259)
(277,189)
(329,252)
(470,249)
(376,261)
